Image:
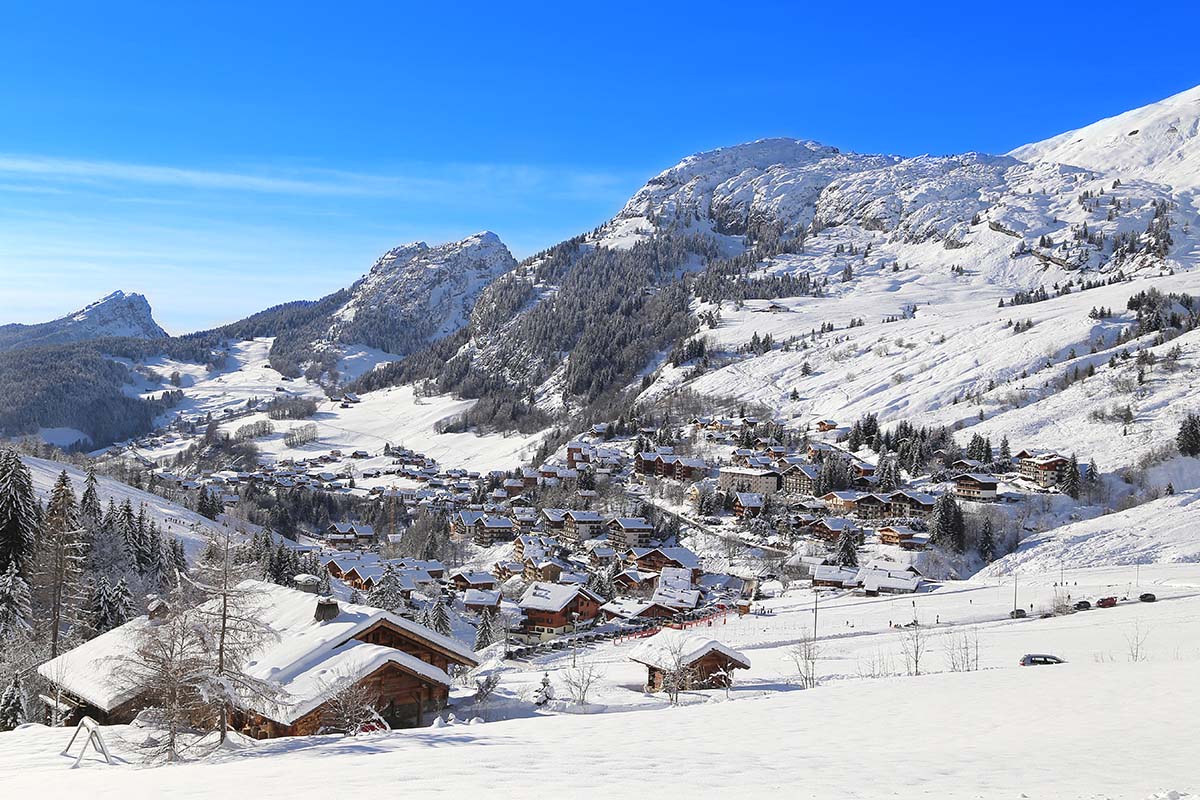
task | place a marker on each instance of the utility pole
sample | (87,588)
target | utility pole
(815,596)
(1014,591)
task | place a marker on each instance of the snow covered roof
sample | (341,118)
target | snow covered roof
(304,657)
(669,647)
(481,597)
(675,597)
(542,596)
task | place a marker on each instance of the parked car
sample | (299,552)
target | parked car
(1018,613)
(1106,602)
(1039,659)
(1082,605)
(1147,597)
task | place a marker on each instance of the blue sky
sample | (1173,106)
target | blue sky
(224,157)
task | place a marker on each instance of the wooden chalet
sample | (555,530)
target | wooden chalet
(318,645)
(690,660)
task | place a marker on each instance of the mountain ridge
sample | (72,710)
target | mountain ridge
(117,314)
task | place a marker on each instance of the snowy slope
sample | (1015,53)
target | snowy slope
(395,416)
(184,524)
(1159,142)
(1161,531)
(118,314)
(998,731)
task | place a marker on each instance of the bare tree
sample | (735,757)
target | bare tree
(580,680)
(230,619)
(804,655)
(877,665)
(677,673)
(351,707)
(1135,640)
(170,667)
(962,650)
(914,641)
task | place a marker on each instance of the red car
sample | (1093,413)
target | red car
(1106,602)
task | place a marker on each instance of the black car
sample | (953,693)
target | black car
(1018,613)
(1147,597)
(1082,605)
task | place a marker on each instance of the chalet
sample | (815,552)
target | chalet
(554,518)
(830,528)
(906,503)
(632,581)
(843,502)
(655,559)
(552,609)
(318,645)
(748,504)
(630,531)
(825,425)
(490,529)
(834,575)
(629,608)
(977,486)
(746,479)
(513,486)
(479,600)
(532,545)
(873,580)
(903,537)
(579,525)
(676,597)
(466,579)
(1044,468)
(800,478)
(546,568)
(686,660)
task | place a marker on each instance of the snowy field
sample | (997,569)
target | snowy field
(1110,723)
(394,416)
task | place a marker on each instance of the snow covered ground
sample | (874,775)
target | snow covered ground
(186,525)
(1101,726)
(395,416)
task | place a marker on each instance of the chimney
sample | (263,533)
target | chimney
(307,583)
(327,609)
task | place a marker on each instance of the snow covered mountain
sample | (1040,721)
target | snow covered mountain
(412,296)
(840,239)
(417,293)
(118,314)
(1159,142)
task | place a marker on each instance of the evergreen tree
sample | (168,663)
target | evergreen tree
(386,594)
(1069,485)
(439,618)
(121,604)
(1188,439)
(847,549)
(99,605)
(946,524)
(60,561)
(987,541)
(18,514)
(12,713)
(1005,456)
(16,615)
(91,513)
(485,632)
